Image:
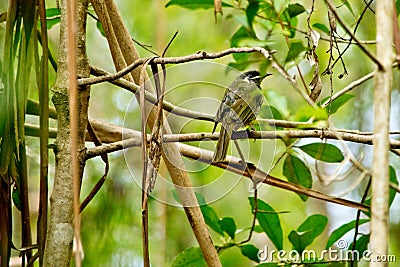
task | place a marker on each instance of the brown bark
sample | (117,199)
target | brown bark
(380,169)
(61,224)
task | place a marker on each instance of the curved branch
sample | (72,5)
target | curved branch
(131,141)
(232,164)
(173,60)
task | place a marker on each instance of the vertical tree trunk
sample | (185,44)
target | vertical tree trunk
(380,169)
(61,228)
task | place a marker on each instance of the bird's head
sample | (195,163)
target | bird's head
(253,76)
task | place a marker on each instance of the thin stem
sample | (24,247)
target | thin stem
(174,60)
(355,38)
(328,134)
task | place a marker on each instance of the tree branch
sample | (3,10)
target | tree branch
(351,86)
(201,55)
(233,164)
(168,138)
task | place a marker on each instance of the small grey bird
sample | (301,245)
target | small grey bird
(239,107)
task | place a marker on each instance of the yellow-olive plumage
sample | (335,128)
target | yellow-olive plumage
(239,107)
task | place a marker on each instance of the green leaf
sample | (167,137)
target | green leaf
(280,5)
(251,12)
(269,12)
(53,17)
(228,226)
(250,251)
(297,172)
(264,65)
(239,18)
(295,239)
(52,12)
(211,218)
(397,7)
(295,10)
(315,223)
(337,103)
(276,99)
(16,199)
(270,112)
(347,4)
(51,22)
(100,28)
(295,49)
(241,65)
(361,244)
(323,151)
(292,30)
(195,4)
(258,229)
(392,192)
(200,198)
(393,179)
(312,227)
(269,222)
(268,264)
(342,230)
(239,35)
(307,112)
(190,257)
(321,27)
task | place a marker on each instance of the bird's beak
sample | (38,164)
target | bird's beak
(265,76)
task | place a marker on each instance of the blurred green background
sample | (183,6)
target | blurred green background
(111,224)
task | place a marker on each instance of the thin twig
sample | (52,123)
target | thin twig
(175,60)
(352,85)
(348,88)
(145,160)
(364,197)
(395,187)
(254,181)
(169,43)
(253,223)
(328,134)
(96,140)
(43,85)
(355,29)
(145,47)
(355,38)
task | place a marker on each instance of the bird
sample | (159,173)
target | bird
(239,107)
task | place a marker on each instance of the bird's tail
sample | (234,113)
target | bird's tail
(222,144)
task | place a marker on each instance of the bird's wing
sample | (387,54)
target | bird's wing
(224,107)
(247,105)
